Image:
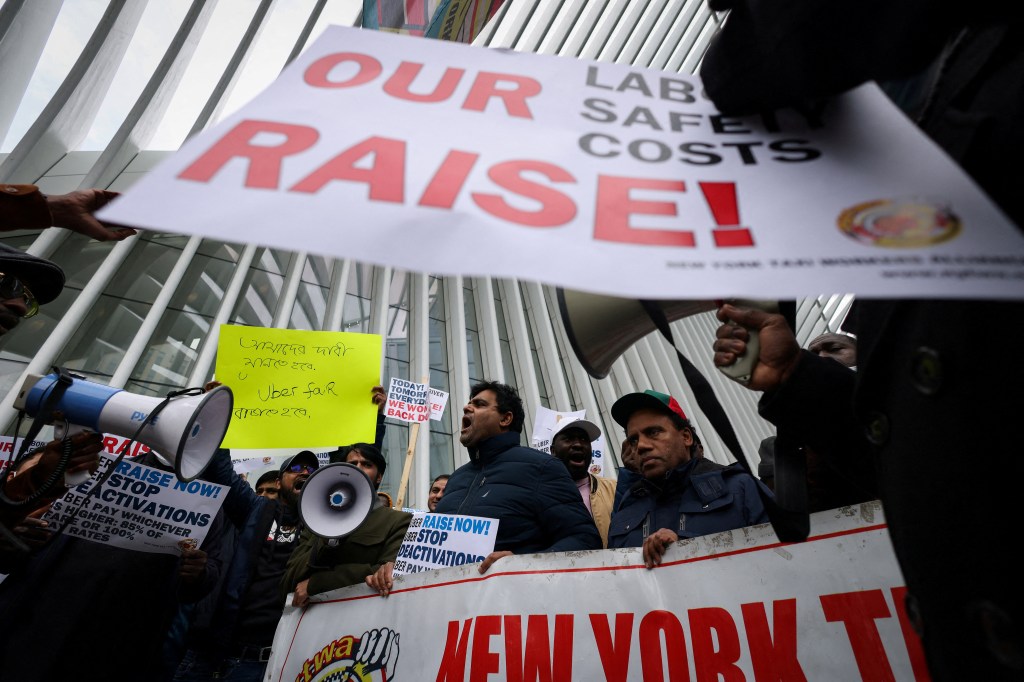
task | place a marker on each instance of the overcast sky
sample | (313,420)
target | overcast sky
(161,18)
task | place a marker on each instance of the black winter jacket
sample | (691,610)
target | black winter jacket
(538,505)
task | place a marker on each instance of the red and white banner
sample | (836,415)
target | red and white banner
(732,606)
(445,158)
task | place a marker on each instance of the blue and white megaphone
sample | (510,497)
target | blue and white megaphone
(184,435)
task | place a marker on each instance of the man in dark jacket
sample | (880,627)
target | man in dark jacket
(234,637)
(65,607)
(319,566)
(538,506)
(925,368)
(682,495)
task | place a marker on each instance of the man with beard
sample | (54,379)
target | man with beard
(233,637)
(572,444)
(320,565)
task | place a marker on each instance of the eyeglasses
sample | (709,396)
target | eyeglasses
(12,287)
(300,469)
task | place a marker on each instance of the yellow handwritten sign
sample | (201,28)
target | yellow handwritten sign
(298,389)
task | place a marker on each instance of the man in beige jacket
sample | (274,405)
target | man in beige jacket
(571,443)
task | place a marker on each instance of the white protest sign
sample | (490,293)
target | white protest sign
(730,606)
(442,540)
(545,422)
(407,401)
(112,444)
(535,156)
(438,400)
(140,508)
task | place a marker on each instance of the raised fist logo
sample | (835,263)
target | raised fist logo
(377,653)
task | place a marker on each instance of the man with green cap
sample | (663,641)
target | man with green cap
(682,495)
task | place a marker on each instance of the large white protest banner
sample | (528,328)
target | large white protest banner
(530,157)
(731,606)
(440,540)
(139,508)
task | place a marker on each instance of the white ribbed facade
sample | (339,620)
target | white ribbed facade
(142,314)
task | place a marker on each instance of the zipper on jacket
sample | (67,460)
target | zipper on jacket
(472,488)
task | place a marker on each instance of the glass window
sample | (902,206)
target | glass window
(202,288)
(310,307)
(361,282)
(173,349)
(104,337)
(80,257)
(356,315)
(442,453)
(259,299)
(396,442)
(317,270)
(141,277)
(10,370)
(221,250)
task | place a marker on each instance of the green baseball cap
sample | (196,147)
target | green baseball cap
(625,406)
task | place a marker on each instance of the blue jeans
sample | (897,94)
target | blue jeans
(198,667)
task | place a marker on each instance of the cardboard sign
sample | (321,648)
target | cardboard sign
(140,508)
(443,540)
(298,389)
(530,157)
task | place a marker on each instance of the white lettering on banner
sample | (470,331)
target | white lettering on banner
(542,156)
(732,606)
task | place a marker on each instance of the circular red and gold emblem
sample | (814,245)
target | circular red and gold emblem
(899,223)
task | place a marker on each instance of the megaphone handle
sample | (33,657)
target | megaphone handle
(743,368)
(65,430)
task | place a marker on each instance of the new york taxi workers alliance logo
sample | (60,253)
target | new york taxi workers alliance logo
(370,658)
(901,223)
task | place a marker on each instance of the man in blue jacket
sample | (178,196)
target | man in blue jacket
(682,495)
(529,492)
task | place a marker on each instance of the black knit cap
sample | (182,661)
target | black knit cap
(44,279)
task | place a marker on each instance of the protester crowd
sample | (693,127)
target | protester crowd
(886,420)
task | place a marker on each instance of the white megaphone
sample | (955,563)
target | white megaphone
(185,434)
(601,328)
(335,500)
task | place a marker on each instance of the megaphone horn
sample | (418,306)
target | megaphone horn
(188,430)
(335,500)
(601,328)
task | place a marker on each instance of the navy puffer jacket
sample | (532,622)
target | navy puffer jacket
(538,505)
